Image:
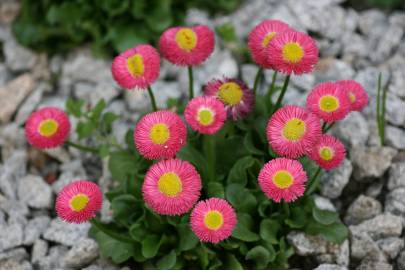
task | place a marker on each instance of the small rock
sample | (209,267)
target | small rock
(397,176)
(102,264)
(395,137)
(395,202)
(39,250)
(164,91)
(381,226)
(330,69)
(370,265)
(94,93)
(371,162)
(11,236)
(15,265)
(9,10)
(387,43)
(30,103)
(35,228)
(334,181)
(353,130)
(137,101)
(81,254)
(363,246)
(17,57)
(12,170)
(4,74)
(12,94)
(53,260)
(394,112)
(35,192)
(361,209)
(12,137)
(327,266)
(66,233)
(324,203)
(401,261)
(391,246)
(18,254)
(306,245)
(65,179)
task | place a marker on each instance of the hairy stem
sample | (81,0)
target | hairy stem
(152,99)
(257,79)
(190,83)
(281,96)
(103,228)
(81,147)
(313,182)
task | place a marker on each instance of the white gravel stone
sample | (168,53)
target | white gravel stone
(35,228)
(35,192)
(397,176)
(334,181)
(395,137)
(81,254)
(65,233)
(361,209)
(39,250)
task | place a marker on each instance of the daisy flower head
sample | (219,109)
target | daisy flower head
(234,94)
(357,95)
(292,52)
(171,187)
(213,220)
(282,179)
(160,135)
(47,128)
(205,114)
(329,102)
(292,131)
(79,201)
(136,67)
(260,37)
(328,153)
(187,46)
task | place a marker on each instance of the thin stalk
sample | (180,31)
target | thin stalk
(379,107)
(286,208)
(382,118)
(152,99)
(272,85)
(117,236)
(190,83)
(257,79)
(324,126)
(209,148)
(329,127)
(81,147)
(281,96)
(313,183)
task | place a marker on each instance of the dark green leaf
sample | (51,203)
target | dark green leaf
(238,172)
(260,255)
(232,263)
(104,150)
(125,207)
(74,107)
(324,217)
(269,229)
(215,189)
(138,231)
(248,142)
(240,197)
(97,110)
(167,262)
(188,240)
(118,251)
(151,245)
(336,232)
(243,233)
(189,153)
(297,218)
(121,165)
(85,129)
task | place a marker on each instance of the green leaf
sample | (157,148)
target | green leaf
(217,265)
(269,229)
(248,143)
(241,198)
(104,150)
(215,189)
(97,110)
(124,36)
(297,218)
(238,172)
(121,165)
(151,245)
(232,263)
(85,129)
(118,251)
(74,107)
(125,207)
(324,217)
(336,232)
(138,231)
(189,153)
(242,231)
(167,262)
(260,255)
(188,240)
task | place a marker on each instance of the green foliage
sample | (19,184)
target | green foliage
(381,104)
(110,25)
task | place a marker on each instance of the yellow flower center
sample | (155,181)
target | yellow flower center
(283,179)
(328,103)
(268,38)
(230,93)
(294,129)
(79,202)
(292,52)
(135,65)
(159,133)
(205,117)
(170,184)
(213,220)
(326,153)
(186,39)
(352,97)
(48,128)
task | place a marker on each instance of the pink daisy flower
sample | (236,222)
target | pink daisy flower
(137,67)
(171,187)
(292,52)
(213,220)
(329,102)
(205,114)
(236,96)
(160,135)
(187,46)
(260,37)
(328,153)
(292,131)
(79,201)
(47,128)
(357,95)
(282,178)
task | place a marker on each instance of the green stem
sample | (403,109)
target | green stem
(81,147)
(209,149)
(324,126)
(103,228)
(286,209)
(382,118)
(313,183)
(257,79)
(329,127)
(152,99)
(190,83)
(271,87)
(281,96)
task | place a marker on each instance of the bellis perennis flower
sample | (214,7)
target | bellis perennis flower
(328,153)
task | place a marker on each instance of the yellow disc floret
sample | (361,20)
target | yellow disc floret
(79,202)
(230,93)
(186,38)
(294,129)
(205,117)
(135,65)
(328,103)
(283,179)
(292,52)
(326,153)
(352,97)
(268,38)
(48,128)
(159,133)
(170,184)
(213,220)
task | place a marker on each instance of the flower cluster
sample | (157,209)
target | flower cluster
(173,186)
